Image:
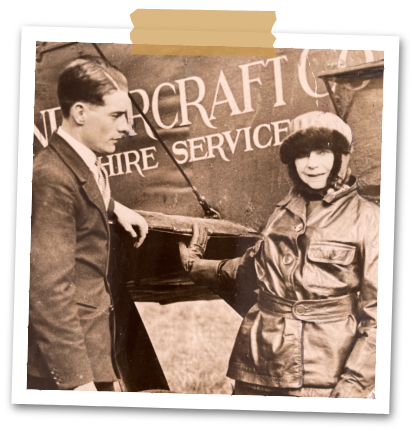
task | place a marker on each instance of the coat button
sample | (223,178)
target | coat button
(288,259)
(300,310)
(299,227)
(333,254)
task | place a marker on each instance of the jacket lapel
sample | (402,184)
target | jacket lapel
(95,197)
(81,171)
(297,206)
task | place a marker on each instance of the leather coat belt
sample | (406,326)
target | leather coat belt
(308,310)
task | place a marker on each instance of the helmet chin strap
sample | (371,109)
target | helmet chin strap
(343,174)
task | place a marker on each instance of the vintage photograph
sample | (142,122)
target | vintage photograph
(203,224)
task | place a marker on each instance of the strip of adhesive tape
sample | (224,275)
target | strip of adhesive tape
(203,32)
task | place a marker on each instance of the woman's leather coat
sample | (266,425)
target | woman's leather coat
(314,324)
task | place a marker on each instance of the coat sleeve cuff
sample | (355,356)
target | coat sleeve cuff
(349,387)
(68,380)
(214,272)
(205,272)
(361,364)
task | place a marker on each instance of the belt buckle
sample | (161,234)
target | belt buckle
(299,309)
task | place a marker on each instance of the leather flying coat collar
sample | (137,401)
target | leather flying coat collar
(329,198)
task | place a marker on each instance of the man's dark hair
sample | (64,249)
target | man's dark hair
(88,79)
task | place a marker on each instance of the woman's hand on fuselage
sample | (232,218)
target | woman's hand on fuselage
(196,248)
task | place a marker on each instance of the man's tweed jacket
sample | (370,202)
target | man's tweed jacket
(70,318)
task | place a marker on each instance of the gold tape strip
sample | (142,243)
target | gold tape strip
(167,19)
(219,33)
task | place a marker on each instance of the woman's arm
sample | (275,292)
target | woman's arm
(358,379)
(234,280)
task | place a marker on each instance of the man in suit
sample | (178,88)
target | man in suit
(71,323)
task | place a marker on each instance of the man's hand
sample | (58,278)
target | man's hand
(90,386)
(196,247)
(129,219)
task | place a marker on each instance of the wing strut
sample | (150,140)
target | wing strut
(209,212)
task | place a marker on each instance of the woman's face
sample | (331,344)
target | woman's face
(314,168)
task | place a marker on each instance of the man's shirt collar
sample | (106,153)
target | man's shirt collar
(84,152)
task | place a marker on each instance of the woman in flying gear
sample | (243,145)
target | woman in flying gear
(308,288)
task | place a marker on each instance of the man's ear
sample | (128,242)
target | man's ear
(78,113)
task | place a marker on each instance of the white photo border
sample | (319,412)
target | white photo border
(380,405)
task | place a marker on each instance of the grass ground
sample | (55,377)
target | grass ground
(193,341)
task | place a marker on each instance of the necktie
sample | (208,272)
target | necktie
(103,183)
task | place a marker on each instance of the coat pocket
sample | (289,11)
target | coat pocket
(330,268)
(327,346)
(331,253)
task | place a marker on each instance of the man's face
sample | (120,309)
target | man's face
(105,125)
(314,168)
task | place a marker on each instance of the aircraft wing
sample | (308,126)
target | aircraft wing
(154,271)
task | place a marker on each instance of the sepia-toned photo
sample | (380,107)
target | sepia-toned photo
(205,224)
